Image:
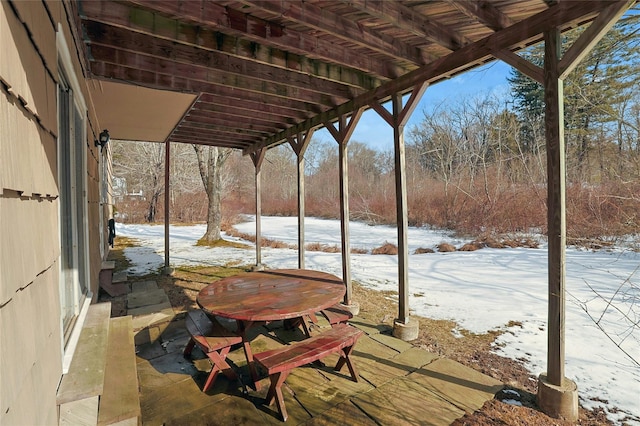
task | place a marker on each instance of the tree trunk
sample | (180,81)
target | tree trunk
(210,162)
(153,202)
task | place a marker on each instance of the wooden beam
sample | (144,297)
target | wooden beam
(591,36)
(484,12)
(251,107)
(125,40)
(199,124)
(214,15)
(404,17)
(521,64)
(337,26)
(171,29)
(106,61)
(527,30)
(213,142)
(232,132)
(231,113)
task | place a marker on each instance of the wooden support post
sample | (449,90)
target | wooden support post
(299,145)
(342,136)
(401,210)
(167,163)
(398,119)
(554,128)
(257,158)
(343,170)
(557,395)
(301,213)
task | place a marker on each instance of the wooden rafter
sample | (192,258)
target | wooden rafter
(266,71)
(229,21)
(406,18)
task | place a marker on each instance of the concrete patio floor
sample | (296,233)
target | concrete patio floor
(399,384)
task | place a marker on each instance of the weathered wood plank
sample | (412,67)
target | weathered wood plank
(120,399)
(86,372)
(79,413)
(309,350)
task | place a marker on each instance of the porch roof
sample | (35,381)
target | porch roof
(249,74)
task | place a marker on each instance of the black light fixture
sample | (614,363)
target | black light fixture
(103,138)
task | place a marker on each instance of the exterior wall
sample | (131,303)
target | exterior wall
(31,345)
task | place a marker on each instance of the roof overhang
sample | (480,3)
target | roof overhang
(138,113)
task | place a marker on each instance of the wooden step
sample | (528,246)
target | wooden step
(86,371)
(107,283)
(80,389)
(120,400)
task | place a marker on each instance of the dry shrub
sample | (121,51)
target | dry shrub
(470,247)
(527,242)
(422,250)
(386,248)
(491,243)
(589,243)
(313,247)
(233,232)
(487,241)
(325,248)
(359,250)
(446,248)
(266,242)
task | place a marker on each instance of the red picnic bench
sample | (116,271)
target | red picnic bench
(336,315)
(214,340)
(278,363)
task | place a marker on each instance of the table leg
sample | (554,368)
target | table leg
(243,326)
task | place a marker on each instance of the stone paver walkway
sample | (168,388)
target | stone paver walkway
(400,384)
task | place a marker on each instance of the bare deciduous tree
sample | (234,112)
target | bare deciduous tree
(211,160)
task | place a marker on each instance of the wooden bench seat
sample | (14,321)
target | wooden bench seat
(214,340)
(336,315)
(278,363)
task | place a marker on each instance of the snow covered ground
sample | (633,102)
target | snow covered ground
(481,291)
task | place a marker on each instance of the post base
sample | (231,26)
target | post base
(560,402)
(257,268)
(167,270)
(354,308)
(405,331)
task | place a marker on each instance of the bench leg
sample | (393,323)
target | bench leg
(344,358)
(275,391)
(189,348)
(219,364)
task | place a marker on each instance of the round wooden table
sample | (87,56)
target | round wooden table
(271,295)
(257,297)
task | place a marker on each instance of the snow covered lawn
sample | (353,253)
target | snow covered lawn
(481,291)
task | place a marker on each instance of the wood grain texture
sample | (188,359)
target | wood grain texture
(271,295)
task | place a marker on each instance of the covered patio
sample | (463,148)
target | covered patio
(399,383)
(251,75)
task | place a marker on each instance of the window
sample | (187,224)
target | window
(72,176)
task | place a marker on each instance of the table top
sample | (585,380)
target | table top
(271,295)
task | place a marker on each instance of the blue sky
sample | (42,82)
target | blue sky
(376,133)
